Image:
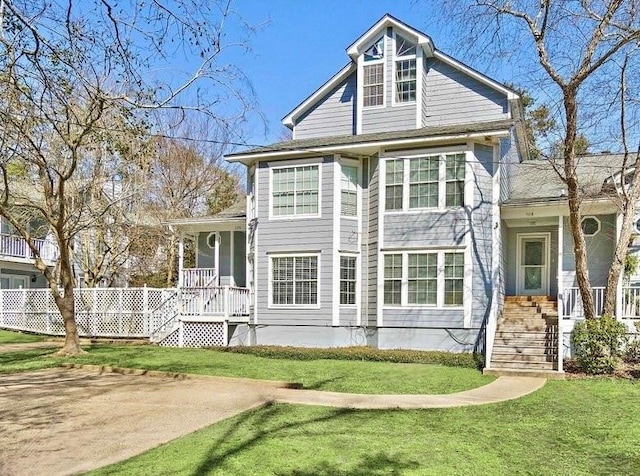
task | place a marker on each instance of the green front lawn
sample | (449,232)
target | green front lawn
(11,337)
(335,375)
(568,427)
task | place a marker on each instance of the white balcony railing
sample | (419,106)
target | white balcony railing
(16,246)
(572,303)
(199,277)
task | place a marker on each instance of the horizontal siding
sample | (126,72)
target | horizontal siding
(348,316)
(206,255)
(423,317)
(600,250)
(293,236)
(390,118)
(424,229)
(456,98)
(348,235)
(448,340)
(482,234)
(333,115)
(370,302)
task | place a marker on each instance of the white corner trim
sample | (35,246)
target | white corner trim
(335,285)
(419,85)
(380,258)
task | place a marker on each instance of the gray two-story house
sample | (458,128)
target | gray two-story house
(376,223)
(404,214)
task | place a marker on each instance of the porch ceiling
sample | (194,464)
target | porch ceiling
(195,225)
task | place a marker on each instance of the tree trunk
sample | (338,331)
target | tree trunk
(171,260)
(573,194)
(66,306)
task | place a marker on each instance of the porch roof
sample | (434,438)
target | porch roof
(537,182)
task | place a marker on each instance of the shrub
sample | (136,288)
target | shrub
(362,353)
(598,344)
(632,352)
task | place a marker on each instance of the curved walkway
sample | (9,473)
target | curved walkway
(65,421)
(500,390)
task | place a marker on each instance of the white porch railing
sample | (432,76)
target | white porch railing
(199,277)
(571,306)
(122,312)
(16,246)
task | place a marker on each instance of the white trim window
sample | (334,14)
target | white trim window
(349,190)
(394,181)
(433,181)
(373,85)
(405,71)
(295,190)
(348,280)
(373,75)
(294,280)
(416,279)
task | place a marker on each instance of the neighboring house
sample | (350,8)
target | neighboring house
(403,214)
(16,259)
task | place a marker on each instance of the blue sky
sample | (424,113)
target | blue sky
(302,43)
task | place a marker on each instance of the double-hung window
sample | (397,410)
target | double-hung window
(295,190)
(405,66)
(433,278)
(294,280)
(430,181)
(347,280)
(349,191)
(373,75)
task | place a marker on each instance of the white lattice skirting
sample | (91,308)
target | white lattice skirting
(197,334)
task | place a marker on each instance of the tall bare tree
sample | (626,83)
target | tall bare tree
(67,70)
(571,48)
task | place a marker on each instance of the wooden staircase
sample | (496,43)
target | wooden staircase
(526,340)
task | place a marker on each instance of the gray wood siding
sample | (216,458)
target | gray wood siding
(225,257)
(333,115)
(456,98)
(425,97)
(512,253)
(423,317)
(371,248)
(481,230)
(348,235)
(293,236)
(424,229)
(509,157)
(348,316)
(600,250)
(390,118)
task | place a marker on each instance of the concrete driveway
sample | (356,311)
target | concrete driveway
(66,421)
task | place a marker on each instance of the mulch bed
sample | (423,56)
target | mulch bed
(625,371)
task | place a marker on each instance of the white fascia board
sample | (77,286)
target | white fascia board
(475,74)
(283,154)
(289,119)
(356,48)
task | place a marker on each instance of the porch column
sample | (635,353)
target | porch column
(180,259)
(619,309)
(560,299)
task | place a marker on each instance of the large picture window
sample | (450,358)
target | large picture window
(295,190)
(434,278)
(294,280)
(430,181)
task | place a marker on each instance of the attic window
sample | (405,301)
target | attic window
(590,226)
(404,47)
(375,51)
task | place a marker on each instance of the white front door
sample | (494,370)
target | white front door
(533,265)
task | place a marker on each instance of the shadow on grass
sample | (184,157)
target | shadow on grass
(377,464)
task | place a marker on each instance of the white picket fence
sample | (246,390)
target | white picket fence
(122,312)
